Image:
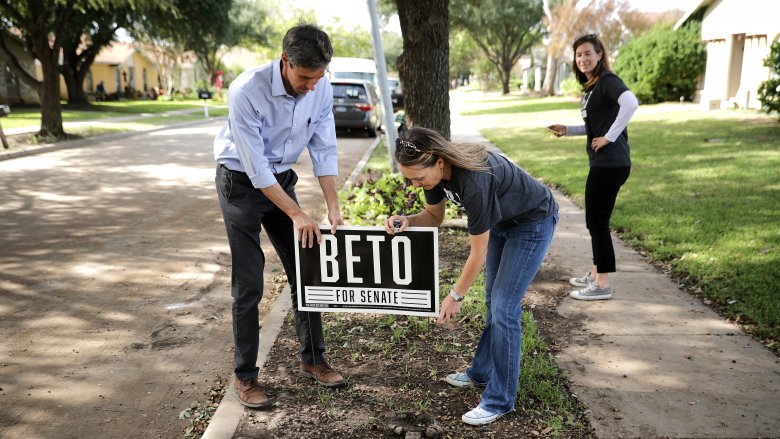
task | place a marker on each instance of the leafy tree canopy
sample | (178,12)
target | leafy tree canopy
(503,29)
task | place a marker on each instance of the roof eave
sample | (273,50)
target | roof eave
(691,11)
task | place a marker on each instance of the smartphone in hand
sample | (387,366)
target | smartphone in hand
(554,131)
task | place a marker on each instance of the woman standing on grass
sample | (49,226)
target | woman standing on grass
(511,221)
(607,106)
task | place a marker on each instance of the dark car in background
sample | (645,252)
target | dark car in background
(356,105)
(396,93)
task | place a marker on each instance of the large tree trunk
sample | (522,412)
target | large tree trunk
(506,76)
(51,112)
(74,81)
(48,55)
(548,87)
(208,62)
(44,36)
(424,63)
(76,65)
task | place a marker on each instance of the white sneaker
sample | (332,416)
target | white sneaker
(479,416)
(592,292)
(459,379)
(583,281)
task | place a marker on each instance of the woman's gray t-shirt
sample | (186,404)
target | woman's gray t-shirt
(505,192)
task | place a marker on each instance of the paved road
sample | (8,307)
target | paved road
(114,311)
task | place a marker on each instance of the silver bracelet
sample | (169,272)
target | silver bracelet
(455,296)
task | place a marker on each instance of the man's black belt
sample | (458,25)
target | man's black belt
(277,175)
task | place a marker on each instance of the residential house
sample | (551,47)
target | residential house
(120,66)
(188,73)
(533,67)
(738,34)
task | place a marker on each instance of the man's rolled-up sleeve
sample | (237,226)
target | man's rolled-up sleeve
(322,145)
(246,125)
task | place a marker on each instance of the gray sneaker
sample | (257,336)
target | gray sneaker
(459,379)
(583,281)
(592,292)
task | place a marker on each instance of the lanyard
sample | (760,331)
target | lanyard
(585,100)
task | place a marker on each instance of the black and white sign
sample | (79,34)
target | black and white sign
(363,269)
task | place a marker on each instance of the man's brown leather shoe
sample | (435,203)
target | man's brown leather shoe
(323,374)
(250,393)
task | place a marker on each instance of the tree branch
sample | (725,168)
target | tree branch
(16,66)
(62,21)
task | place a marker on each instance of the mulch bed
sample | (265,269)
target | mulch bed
(395,367)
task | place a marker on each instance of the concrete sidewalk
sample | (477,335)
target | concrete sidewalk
(655,361)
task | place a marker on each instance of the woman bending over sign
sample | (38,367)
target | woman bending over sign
(511,221)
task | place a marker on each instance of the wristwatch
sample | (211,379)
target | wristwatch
(455,296)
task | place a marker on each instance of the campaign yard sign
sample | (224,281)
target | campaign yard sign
(364,269)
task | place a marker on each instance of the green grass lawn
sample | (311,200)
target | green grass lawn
(136,107)
(101,127)
(703,196)
(379,162)
(31,116)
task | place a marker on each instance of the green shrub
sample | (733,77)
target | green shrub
(370,202)
(769,91)
(663,64)
(570,87)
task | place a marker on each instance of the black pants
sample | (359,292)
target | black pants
(601,191)
(245,210)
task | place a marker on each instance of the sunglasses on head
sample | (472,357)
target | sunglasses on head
(405,144)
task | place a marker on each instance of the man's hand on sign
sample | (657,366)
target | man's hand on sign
(334,216)
(449,309)
(396,224)
(308,229)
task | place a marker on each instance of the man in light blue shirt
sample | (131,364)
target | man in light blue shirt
(275,111)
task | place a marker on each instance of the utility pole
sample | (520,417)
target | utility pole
(387,101)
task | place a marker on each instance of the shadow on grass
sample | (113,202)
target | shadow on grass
(134,107)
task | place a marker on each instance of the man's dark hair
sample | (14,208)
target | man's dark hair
(307,46)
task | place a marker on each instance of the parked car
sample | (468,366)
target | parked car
(352,68)
(396,93)
(356,105)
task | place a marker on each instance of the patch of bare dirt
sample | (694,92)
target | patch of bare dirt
(395,366)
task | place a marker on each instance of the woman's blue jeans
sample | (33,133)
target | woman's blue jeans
(515,253)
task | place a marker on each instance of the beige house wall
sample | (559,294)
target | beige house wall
(106,73)
(139,72)
(738,34)
(116,77)
(715,75)
(144,73)
(756,48)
